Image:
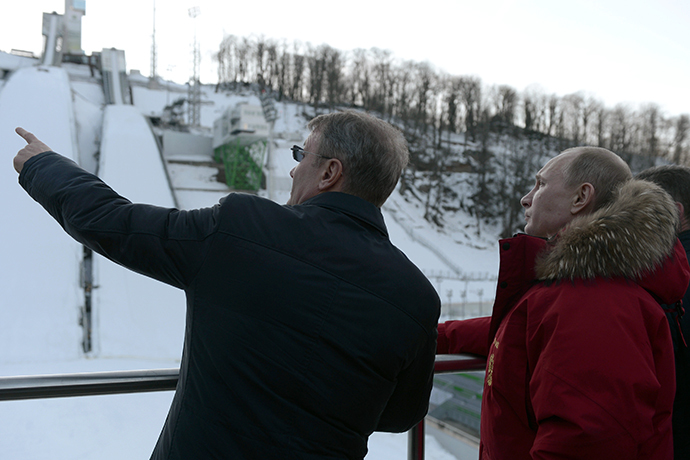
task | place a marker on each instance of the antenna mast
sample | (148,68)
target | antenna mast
(154,57)
(194,96)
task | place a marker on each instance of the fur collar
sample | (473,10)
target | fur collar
(630,237)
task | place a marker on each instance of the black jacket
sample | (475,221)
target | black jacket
(681,405)
(306,328)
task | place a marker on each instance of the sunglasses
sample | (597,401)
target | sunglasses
(298,153)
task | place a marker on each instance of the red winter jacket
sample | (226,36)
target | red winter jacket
(580,364)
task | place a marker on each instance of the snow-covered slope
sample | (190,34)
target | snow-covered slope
(39,288)
(151,312)
(138,322)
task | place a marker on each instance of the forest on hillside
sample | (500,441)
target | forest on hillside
(474,147)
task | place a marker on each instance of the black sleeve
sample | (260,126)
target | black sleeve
(409,402)
(166,244)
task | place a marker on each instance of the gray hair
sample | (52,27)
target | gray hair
(602,168)
(373,152)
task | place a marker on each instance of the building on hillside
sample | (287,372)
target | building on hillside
(240,139)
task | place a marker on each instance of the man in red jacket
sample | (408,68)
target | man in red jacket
(579,355)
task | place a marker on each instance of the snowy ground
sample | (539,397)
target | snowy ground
(138,321)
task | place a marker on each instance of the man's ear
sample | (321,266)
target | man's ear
(583,199)
(331,176)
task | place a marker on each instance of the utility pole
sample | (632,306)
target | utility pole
(194,93)
(154,56)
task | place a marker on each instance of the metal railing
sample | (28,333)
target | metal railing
(140,381)
(445,364)
(87,384)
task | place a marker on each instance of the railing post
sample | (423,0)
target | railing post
(415,442)
(445,364)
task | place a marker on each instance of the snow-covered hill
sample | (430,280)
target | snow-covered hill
(138,322)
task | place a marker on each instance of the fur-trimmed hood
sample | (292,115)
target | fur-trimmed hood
(630,237)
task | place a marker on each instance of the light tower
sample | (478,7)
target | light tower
(154,56)
(194,93)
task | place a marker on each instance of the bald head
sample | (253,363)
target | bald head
(597,166)
(574,183)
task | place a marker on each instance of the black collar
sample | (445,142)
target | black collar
(351,205)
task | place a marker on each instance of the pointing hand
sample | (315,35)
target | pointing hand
(33,148)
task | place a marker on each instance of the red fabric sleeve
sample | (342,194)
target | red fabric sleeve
(465,336)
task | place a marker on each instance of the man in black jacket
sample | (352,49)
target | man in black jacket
(306,328)
(676,181)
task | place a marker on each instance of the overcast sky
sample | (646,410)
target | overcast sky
(621,51)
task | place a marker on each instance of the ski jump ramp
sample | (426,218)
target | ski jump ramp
(40,293)
(135,316)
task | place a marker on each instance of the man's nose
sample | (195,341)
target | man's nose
(292,172)
(526,201)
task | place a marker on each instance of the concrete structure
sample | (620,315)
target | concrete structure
(244,123)
(179,145)
(63,32)
(52,31)
(114,70)
(240,140)
(71,41)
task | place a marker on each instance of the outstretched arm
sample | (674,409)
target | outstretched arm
(163,243)
(464,336)
(33,147)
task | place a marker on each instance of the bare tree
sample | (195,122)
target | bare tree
(651,120)
(471,97)
(272,62)
(227,68)
(515,170)
(403,89)
(316,62)
(553,114)
(534,108)
(242,53)
(571,111)
(284,70)
(681,146)
(621,131)
(381,69)
(589,112)
(435,194)
(505,101)
(335,62)
(259,56)
(361,78)
(424,77)
(298,68)
(602,122)
(453,102)
(482,198)
(529,112)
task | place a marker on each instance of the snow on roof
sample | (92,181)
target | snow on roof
(16,60)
